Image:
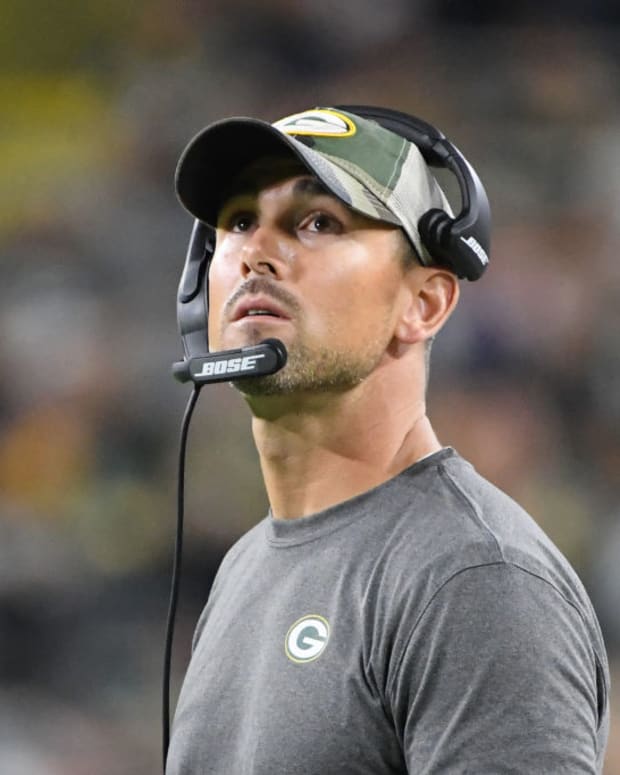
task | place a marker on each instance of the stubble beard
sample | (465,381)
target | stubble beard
(312,370)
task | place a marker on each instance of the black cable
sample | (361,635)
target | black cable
(176,572)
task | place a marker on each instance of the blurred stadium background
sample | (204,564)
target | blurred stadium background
(98,99)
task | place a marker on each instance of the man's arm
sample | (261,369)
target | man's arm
(499,676)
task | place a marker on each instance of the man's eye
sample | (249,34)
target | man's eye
(320,222)
(240,222)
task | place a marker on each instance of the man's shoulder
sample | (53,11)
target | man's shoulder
(460,526)
(515,533)
(456,519)
(449,505)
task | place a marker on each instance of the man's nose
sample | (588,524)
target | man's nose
(263,253)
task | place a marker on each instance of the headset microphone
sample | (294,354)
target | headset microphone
(253,361)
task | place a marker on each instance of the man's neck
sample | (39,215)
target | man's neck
(317,451)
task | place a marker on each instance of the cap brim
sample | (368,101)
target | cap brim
(218,153)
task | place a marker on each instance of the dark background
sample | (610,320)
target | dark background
(97,101)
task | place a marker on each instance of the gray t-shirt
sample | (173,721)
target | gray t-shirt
(426,626)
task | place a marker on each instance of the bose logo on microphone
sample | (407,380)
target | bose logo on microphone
(229,366)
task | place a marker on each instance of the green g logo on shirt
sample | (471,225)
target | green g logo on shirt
(306,638)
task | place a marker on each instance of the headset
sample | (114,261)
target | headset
(460,244)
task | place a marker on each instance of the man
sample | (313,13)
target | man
(394,612)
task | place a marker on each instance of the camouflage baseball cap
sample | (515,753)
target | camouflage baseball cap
(373,170)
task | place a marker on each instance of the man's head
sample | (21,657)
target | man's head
(319,250)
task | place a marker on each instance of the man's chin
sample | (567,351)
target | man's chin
(301,377)
(260,386)
(247,338)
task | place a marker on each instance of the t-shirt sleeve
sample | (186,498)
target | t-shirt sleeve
(496,676)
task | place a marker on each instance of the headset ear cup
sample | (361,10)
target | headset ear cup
(432,227)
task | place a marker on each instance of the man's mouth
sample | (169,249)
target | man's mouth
(254,312)
(248,307)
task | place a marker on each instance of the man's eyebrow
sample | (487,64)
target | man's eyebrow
(306,186)
(310,187)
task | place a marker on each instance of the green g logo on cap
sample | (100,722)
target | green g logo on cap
(317,123)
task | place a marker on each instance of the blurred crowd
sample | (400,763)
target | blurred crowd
(525,379)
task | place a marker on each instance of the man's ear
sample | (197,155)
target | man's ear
(431,296)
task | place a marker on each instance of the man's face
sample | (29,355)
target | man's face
(295,263)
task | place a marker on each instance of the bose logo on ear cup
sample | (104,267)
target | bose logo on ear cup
(473,243)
